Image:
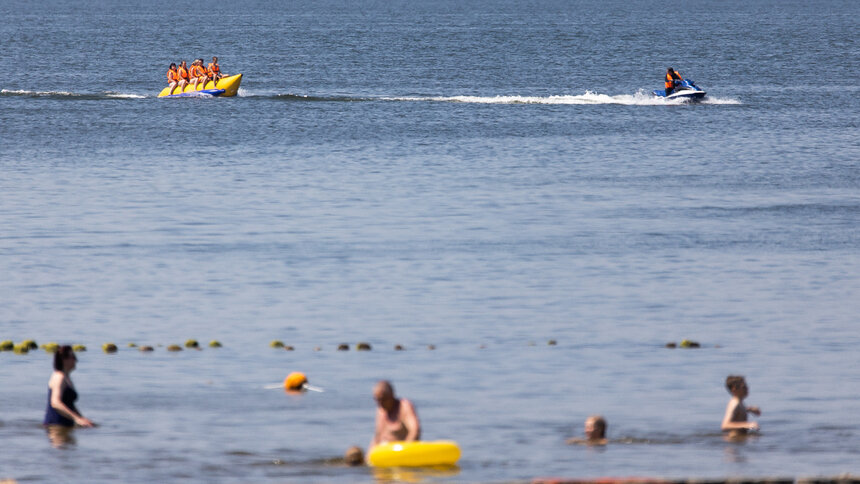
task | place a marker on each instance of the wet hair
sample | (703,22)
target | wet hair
(599,425)
(62,353)
(670,69)
(173,64)
(733,382)
(354,456)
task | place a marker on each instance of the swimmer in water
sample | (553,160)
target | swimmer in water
(595,432)
(61,410)
(735,419)
(354,456)
(396,418)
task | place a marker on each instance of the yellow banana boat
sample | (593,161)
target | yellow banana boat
(415,454)
(225,87)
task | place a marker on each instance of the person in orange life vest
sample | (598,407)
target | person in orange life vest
(673,77)
(215,70)
(184,77)
(193,74)
(172,77)
(198,73)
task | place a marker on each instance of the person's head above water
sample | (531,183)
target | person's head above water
(383,393)
(65,359)
(737,386)
(354,456)
(595,427)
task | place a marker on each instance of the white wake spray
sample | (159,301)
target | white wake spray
(641,98)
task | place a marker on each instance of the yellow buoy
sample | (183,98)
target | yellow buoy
(51,347)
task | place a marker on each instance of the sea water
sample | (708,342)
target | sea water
(482,178)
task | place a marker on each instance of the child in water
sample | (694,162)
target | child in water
(735,419)
(595,432)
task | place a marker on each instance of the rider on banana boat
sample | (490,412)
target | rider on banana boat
(172,77)
(198,73)
(184,77)
(215,70)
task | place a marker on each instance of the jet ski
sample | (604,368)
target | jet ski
(685,89)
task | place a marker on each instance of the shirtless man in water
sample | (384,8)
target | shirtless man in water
(395,417)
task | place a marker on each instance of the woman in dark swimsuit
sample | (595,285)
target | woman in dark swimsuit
(61,409)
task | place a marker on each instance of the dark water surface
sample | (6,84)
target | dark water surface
(481,176)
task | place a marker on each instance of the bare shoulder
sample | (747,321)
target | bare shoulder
(58,379)
(407,405)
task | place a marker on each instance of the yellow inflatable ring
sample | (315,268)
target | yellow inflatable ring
(415,454)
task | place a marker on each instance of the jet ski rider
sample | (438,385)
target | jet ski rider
(673,78)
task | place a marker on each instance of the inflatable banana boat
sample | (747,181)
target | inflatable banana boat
(415,454)
(225,87)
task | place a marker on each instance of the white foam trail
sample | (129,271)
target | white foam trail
(641,98)
(38,93)
(310,388)
(120,95)
(717,100)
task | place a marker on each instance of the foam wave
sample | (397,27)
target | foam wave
(19,92)
(67,94)
(641,98)
(120,95)
(638,99)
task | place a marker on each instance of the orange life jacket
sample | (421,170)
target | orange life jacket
(183,73)
(172,75)
(671,77)
(214,69)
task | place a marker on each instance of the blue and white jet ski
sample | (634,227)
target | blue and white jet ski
(685,89)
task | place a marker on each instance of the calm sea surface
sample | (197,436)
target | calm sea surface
(482,176)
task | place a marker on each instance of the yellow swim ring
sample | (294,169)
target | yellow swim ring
(415,454)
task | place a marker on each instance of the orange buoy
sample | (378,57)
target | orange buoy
(295,381)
